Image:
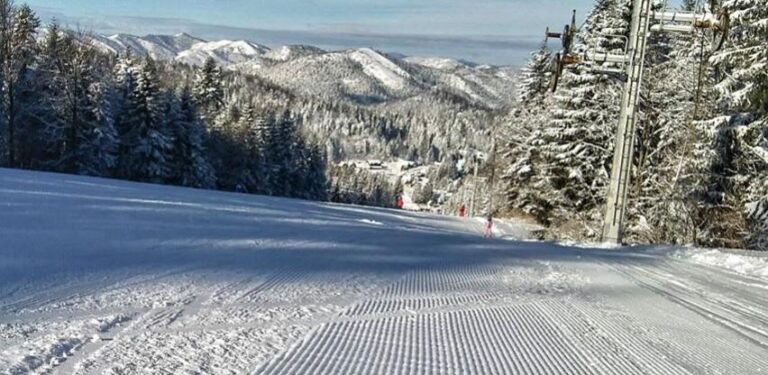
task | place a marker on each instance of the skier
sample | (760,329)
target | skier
(399,202)
(462,210)
(239,188)
(488,233)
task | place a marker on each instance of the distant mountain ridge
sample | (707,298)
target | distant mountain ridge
(362,75)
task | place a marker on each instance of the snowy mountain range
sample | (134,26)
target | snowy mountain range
(360,75)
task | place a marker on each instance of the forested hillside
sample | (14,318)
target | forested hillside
(230,115)
(701,162)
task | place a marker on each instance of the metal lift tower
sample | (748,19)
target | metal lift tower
(625,132)
(715,20)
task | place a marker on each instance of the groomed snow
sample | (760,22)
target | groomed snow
(107,277)
(746,265)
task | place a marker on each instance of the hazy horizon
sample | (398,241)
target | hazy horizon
(486,32)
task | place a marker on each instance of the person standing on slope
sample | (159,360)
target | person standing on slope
(488,232)
(399,202)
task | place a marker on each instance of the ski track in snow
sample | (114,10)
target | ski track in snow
(106,277)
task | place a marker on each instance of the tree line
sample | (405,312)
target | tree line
(67,107)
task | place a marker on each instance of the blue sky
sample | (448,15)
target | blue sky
(487,31)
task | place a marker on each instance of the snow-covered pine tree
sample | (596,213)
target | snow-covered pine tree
(100,142)
(534,78)
(522,129)
(191,165)
(224,147)
(18,47)
(77,109)
(149,142)
(742,146)
(298,182)
(260,133)
(208,90)
(125,72)
(250,160)
(72,115)
(34,108)
(170,116)
(315,180)
(24,37)
(36,149)
(280,149)
(6,17)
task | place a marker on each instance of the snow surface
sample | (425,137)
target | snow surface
(224,52)
(435,62)
(107,277)
(381,68)
(165,47)
(286,53)
(746,265)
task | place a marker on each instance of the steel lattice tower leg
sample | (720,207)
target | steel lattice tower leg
(616,201)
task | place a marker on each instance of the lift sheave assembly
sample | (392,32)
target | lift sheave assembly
(715,22)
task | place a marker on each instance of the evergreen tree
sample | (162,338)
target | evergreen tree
(315,181)
(523,128)
(6,17)
(75,107)
(125,73)
(535,76)
(101,142)
(18,47)
(250,165)
(42,141)
(279,160)
(740,169)
(126,76)
(148,140)
(224,147)
(191,164)
(208,90)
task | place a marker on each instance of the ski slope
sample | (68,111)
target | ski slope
(108,277)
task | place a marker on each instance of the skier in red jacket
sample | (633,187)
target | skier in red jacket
(399,202)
